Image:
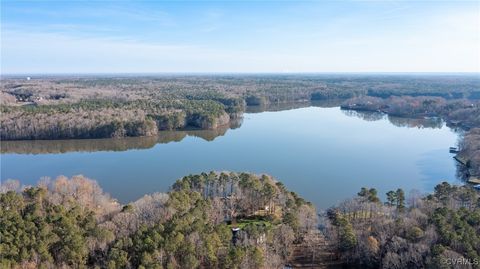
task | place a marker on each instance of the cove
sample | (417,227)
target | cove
(323,153)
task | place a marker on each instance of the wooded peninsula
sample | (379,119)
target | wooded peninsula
(233,220)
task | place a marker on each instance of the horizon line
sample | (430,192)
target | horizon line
(86,74)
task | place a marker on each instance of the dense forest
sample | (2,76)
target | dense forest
(101,107)
(470,152)
(105,118)
(234,220)
(209,220)
(440,230)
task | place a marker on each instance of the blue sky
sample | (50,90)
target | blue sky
(246,36)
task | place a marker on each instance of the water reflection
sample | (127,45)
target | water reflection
(432,122)
(129,143)
(364,115)
(320,153)
(110,144)
(272,107)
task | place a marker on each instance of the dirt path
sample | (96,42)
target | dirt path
(315,253)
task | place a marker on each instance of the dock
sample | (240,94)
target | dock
(461,160)
(453,150)
(474,180)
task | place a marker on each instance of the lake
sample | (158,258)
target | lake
(323,153)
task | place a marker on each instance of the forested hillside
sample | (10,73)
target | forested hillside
(106,118)
(233,220)
(71,223)
(440,230)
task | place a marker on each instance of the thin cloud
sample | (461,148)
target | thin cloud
(378,38)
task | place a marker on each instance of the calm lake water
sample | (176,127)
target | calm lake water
(324,154)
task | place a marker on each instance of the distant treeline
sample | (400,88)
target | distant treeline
(462,113)
(109,118)
(63,108)
(120,144)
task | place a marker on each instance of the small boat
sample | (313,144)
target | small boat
(477,187)
(455,122)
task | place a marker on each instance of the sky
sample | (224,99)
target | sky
(239,37)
